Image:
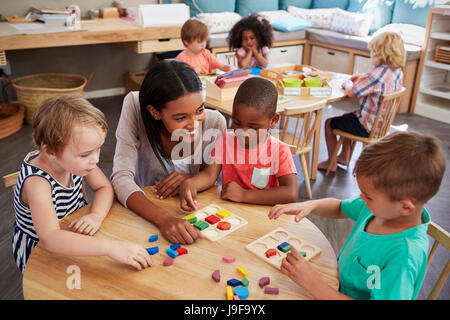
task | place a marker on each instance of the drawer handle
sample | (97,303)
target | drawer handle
(283,51)
(164,40)
(331,53)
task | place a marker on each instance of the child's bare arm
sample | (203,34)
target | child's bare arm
(225,67)
(199,182)
(38,196)
(327,208)
(101,203)
(287,191)
(244,62)
(263,59)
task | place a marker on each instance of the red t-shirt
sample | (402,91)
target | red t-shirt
(257,168)
(205,61)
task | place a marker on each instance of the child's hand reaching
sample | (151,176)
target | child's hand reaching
(87,224)
(298,269)
(300,210)
(188,196)
(129,253)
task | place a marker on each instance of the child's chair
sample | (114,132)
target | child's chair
(307,121)
(440,236)
(386,114)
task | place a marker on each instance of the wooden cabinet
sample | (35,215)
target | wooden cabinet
(432,98)
(329,59)
(286,55)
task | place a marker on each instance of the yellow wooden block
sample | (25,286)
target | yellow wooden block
(189,217)
(223,213)
(242,271)
(229,293)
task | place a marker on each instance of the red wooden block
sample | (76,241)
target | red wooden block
(181,251)
(270,253)
(212,219)
(224,225)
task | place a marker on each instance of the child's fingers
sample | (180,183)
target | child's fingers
(170,186)
(78,225)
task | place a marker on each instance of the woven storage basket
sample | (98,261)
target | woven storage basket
(33,89)
(11,118)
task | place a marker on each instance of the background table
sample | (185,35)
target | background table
(189,277)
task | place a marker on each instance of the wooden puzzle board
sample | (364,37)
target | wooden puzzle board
(213,233)
(277,237)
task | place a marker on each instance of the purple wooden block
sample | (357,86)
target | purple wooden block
(269,290)
(264,281)
(216,275)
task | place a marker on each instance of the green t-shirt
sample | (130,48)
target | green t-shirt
(382,266)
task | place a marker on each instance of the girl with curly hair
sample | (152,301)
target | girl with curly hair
(252,36)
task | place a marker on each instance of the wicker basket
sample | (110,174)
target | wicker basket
(11,118)
(33,89)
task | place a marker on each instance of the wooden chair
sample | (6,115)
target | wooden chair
(440,236)
(10,181)
(307,121)
(386,114)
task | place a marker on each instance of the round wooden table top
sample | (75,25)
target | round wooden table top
(51,276)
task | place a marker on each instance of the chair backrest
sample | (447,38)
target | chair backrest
(306,122)
(440,236)
(390,103)
(10,180)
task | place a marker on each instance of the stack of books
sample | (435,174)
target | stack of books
(50,16)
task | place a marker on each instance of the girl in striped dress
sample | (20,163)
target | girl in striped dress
(68,133)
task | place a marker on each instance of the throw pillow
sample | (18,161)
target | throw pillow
(380,9)
(410,33)
(355,24)
(272,16)
(305,4)
(219,22)
(319,18)
(205,6)
(411,12)
(320,4)
(245,7)
(291,24)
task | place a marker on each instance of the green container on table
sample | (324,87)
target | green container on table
(292,82)
(313,82)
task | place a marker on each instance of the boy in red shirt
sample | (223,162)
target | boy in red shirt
(256,167)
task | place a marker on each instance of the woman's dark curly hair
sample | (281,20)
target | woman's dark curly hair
(254,22)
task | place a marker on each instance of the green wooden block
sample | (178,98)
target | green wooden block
(303,253)
(286,248)
(244,282)
(201,225)
(192,220)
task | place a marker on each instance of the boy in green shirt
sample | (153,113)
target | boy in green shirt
(385,256)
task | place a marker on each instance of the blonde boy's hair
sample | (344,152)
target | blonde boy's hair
(403,165)
(194,29)
(389,48)
(55,118)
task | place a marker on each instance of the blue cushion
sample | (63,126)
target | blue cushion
(407,11)
(291,24)
(245,7)
(208,6)
(380,9)
(330,4)
(305,4)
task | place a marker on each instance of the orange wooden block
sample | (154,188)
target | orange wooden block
(224,225)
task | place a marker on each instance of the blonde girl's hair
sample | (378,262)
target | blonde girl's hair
(55,118)
(194,29)
(389,48)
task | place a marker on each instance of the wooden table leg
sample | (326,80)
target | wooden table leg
(315,153)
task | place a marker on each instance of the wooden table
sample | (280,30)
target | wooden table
(189,277)
(338,94)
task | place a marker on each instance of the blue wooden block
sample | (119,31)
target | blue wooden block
(233,282)
(172,253)
(242,292)
(281,246)
(153,238)
(175,246)
(153,250)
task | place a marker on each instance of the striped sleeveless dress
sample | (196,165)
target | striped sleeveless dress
(65,201)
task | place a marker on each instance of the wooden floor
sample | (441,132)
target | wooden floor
(340,185)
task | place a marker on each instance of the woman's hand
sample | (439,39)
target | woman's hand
(87,224)
(169,186)
(178,230)
(188,196)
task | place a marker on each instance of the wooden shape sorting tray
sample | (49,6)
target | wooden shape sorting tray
(273,239)
(212,232)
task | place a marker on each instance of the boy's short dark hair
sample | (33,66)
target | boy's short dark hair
(403,165)
(258,93)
